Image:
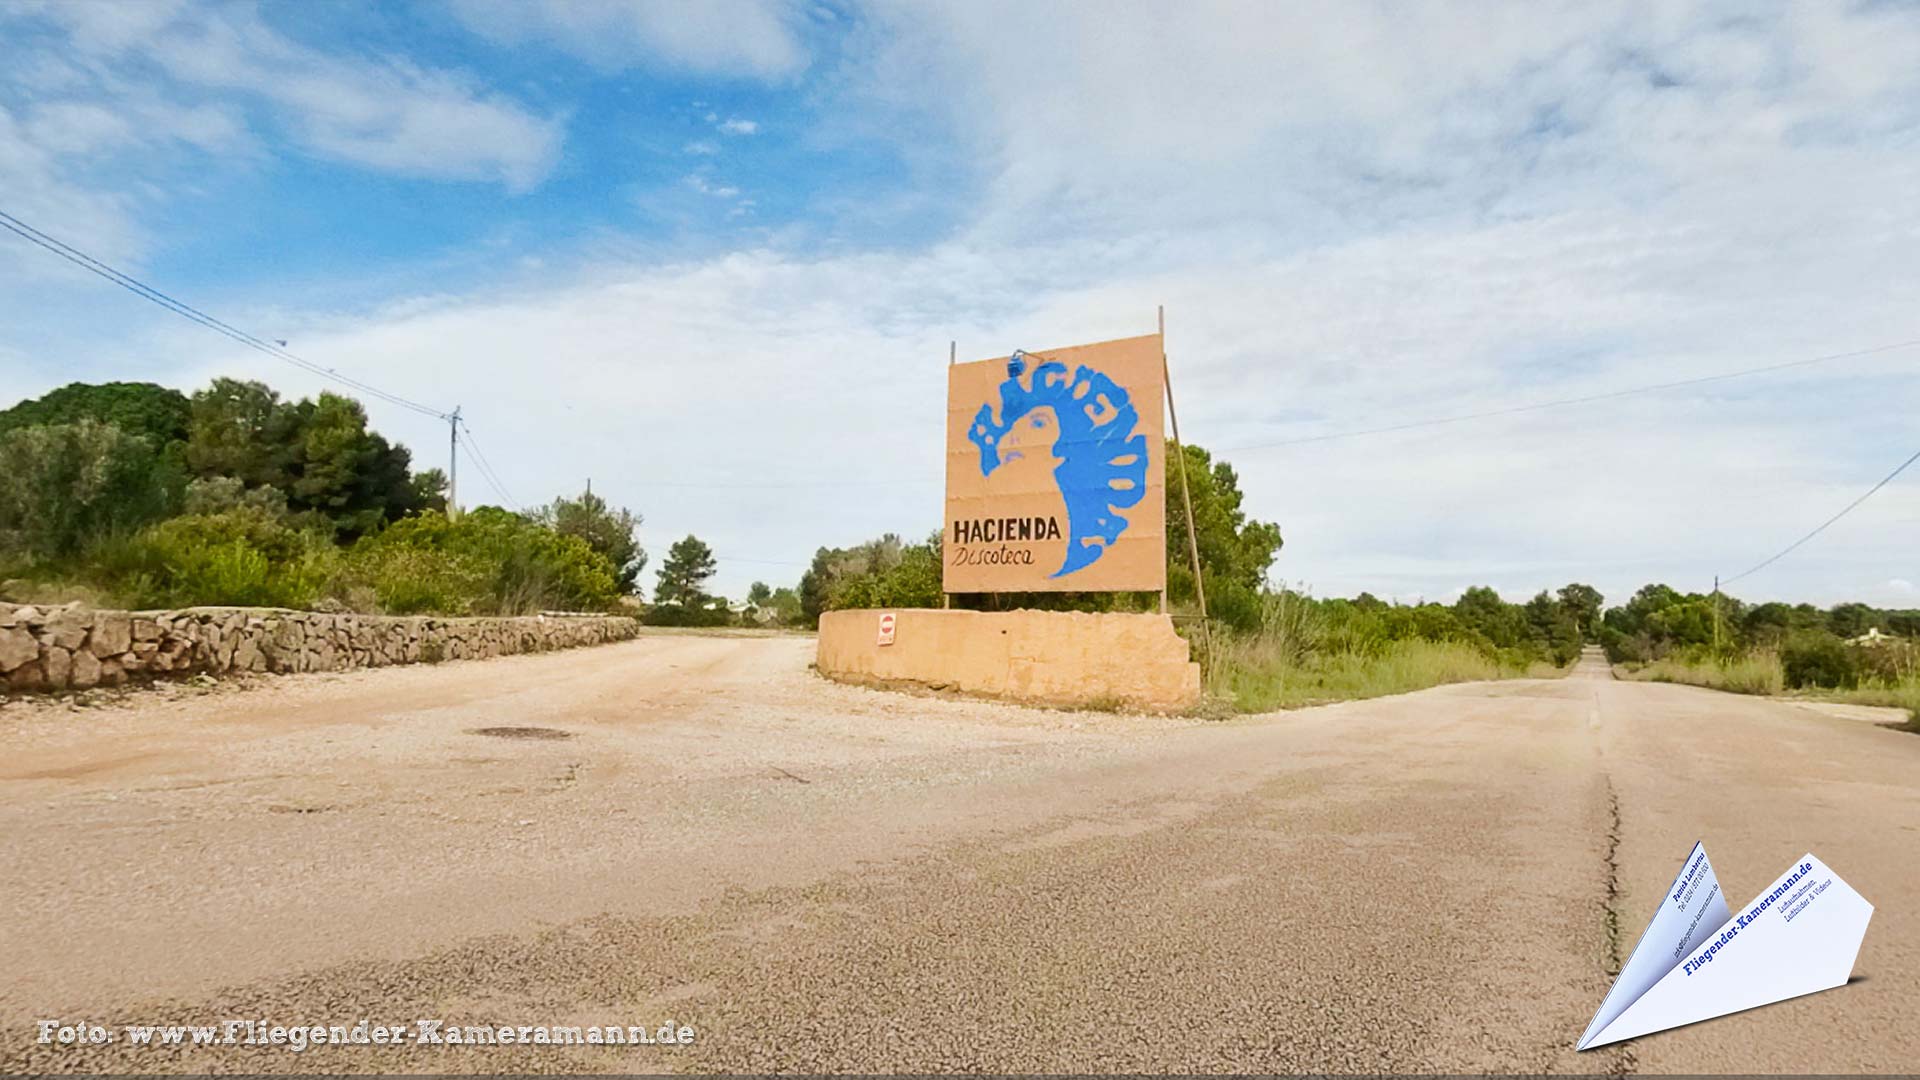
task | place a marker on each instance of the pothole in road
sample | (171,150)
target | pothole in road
(522,732)
(282,808)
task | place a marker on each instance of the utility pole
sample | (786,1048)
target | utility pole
(453,463)
(1716,614)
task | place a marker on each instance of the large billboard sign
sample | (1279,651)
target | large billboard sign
(1056,471)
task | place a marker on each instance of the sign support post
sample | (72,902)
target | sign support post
(946,598)
(1186,495)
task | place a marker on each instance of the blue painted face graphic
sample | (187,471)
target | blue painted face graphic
(1084,421)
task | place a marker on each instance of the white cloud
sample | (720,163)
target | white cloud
(1139,115)
(737,126)
(758,38)
(40,188)
(703,147)
(704,187)
(84,147)
(391,115)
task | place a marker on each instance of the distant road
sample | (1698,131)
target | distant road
(820,878)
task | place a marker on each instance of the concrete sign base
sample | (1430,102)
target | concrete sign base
(1060,658)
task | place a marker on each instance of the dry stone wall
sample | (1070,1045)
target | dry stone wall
(61,648)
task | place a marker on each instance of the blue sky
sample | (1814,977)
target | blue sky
(711,255)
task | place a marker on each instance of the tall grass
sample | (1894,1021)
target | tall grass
(1904,694)
(1299,656)
(1255,679)
(1758,672)
(1761,672)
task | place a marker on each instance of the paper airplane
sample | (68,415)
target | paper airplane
(1697,960)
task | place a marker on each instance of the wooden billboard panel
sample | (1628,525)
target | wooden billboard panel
(1056,471)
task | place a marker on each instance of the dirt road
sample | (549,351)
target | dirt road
(821,878)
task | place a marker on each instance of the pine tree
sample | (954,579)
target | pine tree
(684,573)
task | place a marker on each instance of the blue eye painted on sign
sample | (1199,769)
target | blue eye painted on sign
(1103,466)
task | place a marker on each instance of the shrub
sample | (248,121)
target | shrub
(1888,662)
(1818,658)
(244,557)
(219,494)
(486,562)
(686,615)
(413,580)
(1233,604)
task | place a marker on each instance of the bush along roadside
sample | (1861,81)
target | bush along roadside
(1305,651)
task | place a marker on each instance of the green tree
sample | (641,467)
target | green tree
(341,469)
(429,491)
(684,574)
(1852,620)
(1235,551)
(242,429)
(332,454)
(608,531)
(1555,629)
(887,572)
(815,583)
(1582,604)
(825,585)
(1686,622)
(1767,622)
(320,452)
(786,607)
(152,412)
(1481,610)
(63,486)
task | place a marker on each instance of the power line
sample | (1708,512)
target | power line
(487,473)
(1583,400)
(505,499)
(147,292)
(1888,479)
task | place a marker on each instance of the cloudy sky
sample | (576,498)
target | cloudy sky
(711,256)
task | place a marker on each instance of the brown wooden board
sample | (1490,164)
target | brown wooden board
(1056,471)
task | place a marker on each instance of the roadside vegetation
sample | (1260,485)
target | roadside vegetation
(1850,653)
(134,495)
(1307,651)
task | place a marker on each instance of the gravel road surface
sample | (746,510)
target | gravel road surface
(695,830)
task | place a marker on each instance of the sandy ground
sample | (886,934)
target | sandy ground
(823,878)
